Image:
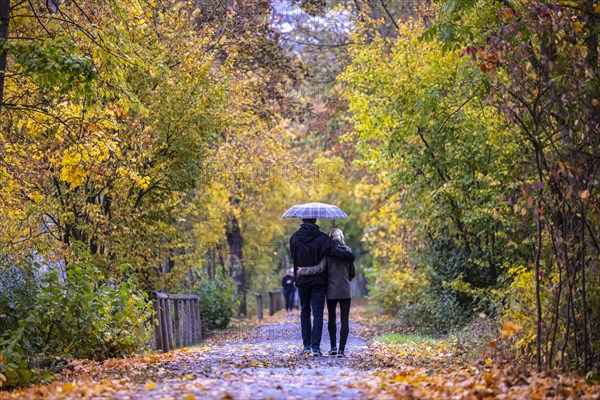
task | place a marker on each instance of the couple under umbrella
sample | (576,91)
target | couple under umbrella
(324,266)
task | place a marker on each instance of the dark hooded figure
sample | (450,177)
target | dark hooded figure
(308,246)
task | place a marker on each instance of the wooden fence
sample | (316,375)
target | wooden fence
(274,301)
(178,317)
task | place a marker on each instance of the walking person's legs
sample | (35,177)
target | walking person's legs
(345,323)
(317,303)
(331,325)
(289,302)
(305,309)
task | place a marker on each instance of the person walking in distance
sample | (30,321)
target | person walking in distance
(339,274)
(308,246)
(289,291)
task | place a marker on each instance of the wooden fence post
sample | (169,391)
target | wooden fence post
(274,301)
(259,305)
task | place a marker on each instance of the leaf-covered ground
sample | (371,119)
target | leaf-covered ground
(265,363)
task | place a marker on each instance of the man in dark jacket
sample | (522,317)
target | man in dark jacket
(308,246)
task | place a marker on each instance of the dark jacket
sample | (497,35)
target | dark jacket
(287,282)
(339,275)
(308,246)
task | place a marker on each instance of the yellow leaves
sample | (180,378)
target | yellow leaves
(73,170)
(489,362)
(150,386)
(508,329)
(77,159)
(577,27)
(190,397)
(143,183)
(597,8)
(36,196)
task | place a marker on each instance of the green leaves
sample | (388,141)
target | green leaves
(75,316)
(53,65)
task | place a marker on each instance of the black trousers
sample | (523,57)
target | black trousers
(344,319)
(290,296)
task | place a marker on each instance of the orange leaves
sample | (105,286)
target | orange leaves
(508,329)
(508,13)
(489,64)
(584,195)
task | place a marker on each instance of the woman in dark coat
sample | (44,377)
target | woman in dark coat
(339,275)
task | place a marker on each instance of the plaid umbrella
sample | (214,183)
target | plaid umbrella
(315,210)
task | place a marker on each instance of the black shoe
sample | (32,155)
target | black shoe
(333,351)
(307,350)
(317,353)
(341,354)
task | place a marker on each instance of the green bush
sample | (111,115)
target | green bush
(218,302)
(18,288)
(80,316)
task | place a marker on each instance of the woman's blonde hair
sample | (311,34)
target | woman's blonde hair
(337,235)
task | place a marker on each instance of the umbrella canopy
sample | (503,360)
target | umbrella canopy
(315,210)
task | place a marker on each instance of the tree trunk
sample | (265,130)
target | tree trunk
(4,19)
(236,263)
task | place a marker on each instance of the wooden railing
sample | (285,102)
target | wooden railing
(178,320)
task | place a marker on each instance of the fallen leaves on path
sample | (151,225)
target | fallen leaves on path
(252,364)
(264,362)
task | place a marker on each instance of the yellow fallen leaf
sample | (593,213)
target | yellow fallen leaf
(189,376)
(150,386)
(190,397)
(489,362)
(68,386)
(577,26)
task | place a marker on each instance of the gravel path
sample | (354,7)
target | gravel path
(261,364)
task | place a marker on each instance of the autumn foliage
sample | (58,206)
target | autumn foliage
(153,146)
